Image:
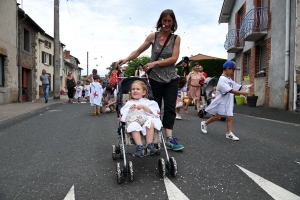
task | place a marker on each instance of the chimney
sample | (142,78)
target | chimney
(67,55)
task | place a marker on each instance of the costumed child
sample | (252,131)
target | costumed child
(96,95)
(213,92)
(87,89)
(223,103)
(78,93)
(179,101)
(141,115)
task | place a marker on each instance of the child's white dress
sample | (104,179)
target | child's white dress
(78,91)
(223,103)
(96,94)
(87,90)
(153,117)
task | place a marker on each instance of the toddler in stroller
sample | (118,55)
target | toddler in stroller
(139,124)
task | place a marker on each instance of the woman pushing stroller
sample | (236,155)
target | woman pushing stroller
(141,115)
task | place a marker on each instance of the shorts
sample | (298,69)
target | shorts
(96,104)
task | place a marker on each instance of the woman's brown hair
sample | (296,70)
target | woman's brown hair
(164,14)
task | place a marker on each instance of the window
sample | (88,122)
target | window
(47,44)
(46,58)
(263,58)
(26,40)
(1,71)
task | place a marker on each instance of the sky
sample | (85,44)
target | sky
(109,30)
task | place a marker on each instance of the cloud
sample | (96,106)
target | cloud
(111,29)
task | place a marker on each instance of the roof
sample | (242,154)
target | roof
(226,11)
(22,13)
(200,57)
(49,36)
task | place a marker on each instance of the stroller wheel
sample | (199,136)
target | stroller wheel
(114,156)
(121,150)
(201,114)
(173,166)
(161,168)
(119,174)
(130,171)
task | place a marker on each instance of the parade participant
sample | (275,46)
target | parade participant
(202,92)
(109,99)
(141,115)
(161,70)
(194,87)
(45,84)
(179,101)
(78,93)
(87,89)
(223,103)
(70,83)
(96,95)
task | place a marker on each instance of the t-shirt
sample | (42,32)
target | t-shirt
(110,97)
(223,103)
(45,79)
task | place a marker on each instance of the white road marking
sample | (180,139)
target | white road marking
(71,194)
(272,189)
(173,192)
(271,120)
(297,162)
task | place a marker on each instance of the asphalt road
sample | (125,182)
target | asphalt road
(46,152)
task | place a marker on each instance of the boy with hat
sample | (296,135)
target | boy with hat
(96,95)
(223,103)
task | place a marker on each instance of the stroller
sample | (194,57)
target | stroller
(208,85)
(125,138)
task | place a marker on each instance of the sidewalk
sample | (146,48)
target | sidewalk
(11,110)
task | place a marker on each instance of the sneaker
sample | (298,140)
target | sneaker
(152,149)
(232,136)
(172,143)
(203,127)
(178,116)
(139,150)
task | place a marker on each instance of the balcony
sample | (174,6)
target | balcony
(232,43)
(254,25)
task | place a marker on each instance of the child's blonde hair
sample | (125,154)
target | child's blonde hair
(144,88)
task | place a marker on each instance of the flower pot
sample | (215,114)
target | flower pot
(252,100)
(239,100)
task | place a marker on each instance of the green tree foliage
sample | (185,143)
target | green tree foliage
(133,65)
(111,67)
(213,67)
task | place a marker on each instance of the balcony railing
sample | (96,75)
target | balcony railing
(255,24)
(232,43)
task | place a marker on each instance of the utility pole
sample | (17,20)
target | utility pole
(56,51)
(87,67)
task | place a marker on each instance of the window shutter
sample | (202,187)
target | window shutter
(43,57)
(50,56)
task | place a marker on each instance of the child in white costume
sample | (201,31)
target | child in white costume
(141,115)
(223,103)
(96,95)
(87,89)
(78,93)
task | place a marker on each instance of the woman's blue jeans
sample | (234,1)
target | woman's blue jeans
(46,91)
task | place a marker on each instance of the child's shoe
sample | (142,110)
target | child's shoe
(178,116)
(93,114)
(172,143)
(152,149)
(139,150)
(231,136)
(97,113)
(203,127)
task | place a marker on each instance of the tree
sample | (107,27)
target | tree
(133,65)
(111,67)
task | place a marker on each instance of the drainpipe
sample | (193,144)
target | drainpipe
(287,54)
(19,59)
(295,60)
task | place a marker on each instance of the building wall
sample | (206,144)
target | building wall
(8,49)
(297,63)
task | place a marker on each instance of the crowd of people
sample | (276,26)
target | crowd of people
(142,115)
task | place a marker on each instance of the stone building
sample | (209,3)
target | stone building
(72,65)
(262,40)
(28,56)
(8,51)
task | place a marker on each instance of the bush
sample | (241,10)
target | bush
(213,67)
